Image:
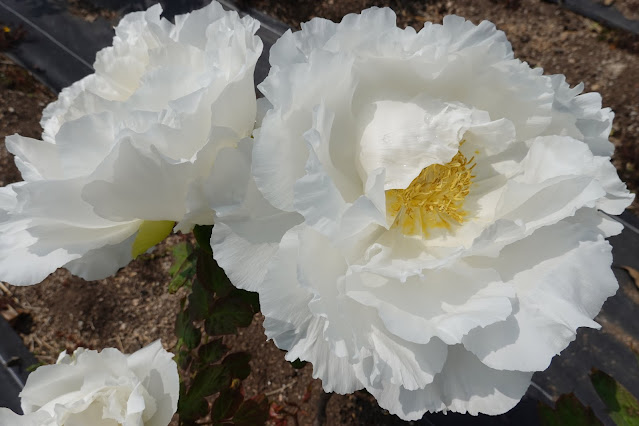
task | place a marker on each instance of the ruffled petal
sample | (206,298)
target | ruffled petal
(446,304)
(465,385)
(562,276)
(40,418)
(40,235)
(158,375)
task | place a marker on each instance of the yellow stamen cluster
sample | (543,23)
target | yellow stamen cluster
(434,199)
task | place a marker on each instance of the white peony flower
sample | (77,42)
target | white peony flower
(425,215)
(104,388)
(145,142)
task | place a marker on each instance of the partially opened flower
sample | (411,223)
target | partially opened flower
(101,388)
(128,152)
(425,215)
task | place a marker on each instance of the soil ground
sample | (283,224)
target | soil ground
(133,308)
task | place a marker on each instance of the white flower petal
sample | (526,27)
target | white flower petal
(337,373)
(465,385)
(156,369)
(446,304)
(137,140)
(106,388)
(404,138)
(40,235)
(9,418)
(35,159)
(581,116)
(129,175)
(562,276)
(102,262)
(244,239)
(503,167)
(315,195)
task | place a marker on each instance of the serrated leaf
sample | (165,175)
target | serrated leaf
(212,351)
(210,380)
(568,411)
(185,331)
(238,364)
(226,404)
(227,314)
(252,412)
(622,406)
(202,235)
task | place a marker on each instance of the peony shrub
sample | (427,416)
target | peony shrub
(423,215)
(426,215)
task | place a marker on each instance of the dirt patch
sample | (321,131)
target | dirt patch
(133,308)
(22,99)
(89,12)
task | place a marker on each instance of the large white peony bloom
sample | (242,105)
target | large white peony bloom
(425,215)
(140,145)
(104,388)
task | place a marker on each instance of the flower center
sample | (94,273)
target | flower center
(434,199)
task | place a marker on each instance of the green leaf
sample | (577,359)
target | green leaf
(180,253)
(298,363)
(213,276)
(183,357)
(212,351)
(200,302)
(238,364)
(185,331)
(226,404)
(623,407)
(206,270)
(150,233)
(250,297)
(183,269)
(227,314)
(33,367)
(203,237)
(192,407)
(568,411)
(252,412)
(210,380)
